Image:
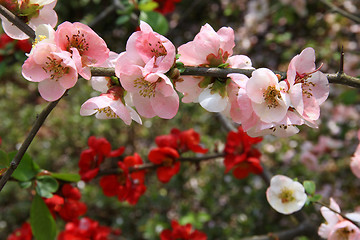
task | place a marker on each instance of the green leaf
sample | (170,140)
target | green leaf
(68,177)
(316,198)
(27,168)
(148,6)
(4,160)
(25,184)
(309,187)
(157,21)
(180,66)
(46,185)
(42,222)
(122,20)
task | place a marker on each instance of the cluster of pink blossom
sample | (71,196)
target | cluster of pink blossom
(262,103)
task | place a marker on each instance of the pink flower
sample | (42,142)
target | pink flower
(52,68)
(308,87)
(141,72)
(34,12)
(336,227)
(87,48)
(268,100)
(210,49)
(110,105)
(355,160)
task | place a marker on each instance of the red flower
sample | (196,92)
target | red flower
(90,159)
(167,157)
(24,45)
(240,154)
(67,205)
(22,233)
(127,187)
(184,141)
(166,6)
(180,232)
(85,229)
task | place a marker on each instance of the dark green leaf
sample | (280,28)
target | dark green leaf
(25,184)
(69,177)
(157,21)
(46,185)
(122,19)
(26,170)
(42,222)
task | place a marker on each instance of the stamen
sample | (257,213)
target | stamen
(108,112)
(77,41)
(55,68)
(147,89)
(270,96)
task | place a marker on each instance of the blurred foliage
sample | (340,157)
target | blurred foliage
(270,33)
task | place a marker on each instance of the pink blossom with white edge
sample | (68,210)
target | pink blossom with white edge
(267,96)
(285,195)
(110,105)
(52,68)
(86,47)
(210,49)
(355,160)
(336,227)
(308,87)
(43,13)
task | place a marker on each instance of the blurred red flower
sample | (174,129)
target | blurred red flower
(240,155)
(166,6)
(167,157)
(22,233)
(180,232)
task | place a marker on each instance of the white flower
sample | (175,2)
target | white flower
(285,195)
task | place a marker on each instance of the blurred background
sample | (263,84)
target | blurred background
(270,33)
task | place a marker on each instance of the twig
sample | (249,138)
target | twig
(17,22)
(341,11)
(341,67)
(25,145)
(151,166)
(306,228)
(336,78)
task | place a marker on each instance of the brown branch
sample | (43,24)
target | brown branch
(151,166)
(17,22)
(336,78)
(25,145)
(306,228)
(341,11)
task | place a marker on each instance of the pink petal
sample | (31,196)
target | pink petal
(165,107)
(51,90)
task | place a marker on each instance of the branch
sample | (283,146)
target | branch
(151,166)
(25,145)
(341,11)
(17,22)
(336,78)
(306,228)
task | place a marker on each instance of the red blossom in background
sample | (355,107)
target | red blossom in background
(67,204)
(166,6)
(167,157)
(127,187)
(240,154)
(183,141)
(180,232)
(23,45)
(90,159)
(86,229)
(22,233)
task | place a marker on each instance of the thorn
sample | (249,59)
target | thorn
(341,68)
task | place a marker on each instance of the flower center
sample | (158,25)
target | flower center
(343,233)
(77,41)
(55,68)
(108,112)
(157,49)
(271,95)
(168,162)
(286,195)
(121,178)
(146,88)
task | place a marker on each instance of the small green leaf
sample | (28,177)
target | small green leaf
(309,187)
(46,185)
(68,177)
(180,66)
(148,6)
(27,168)
(25,184)
(157,21)
(316,198)
(42,222)
(122,20)
(4,160)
